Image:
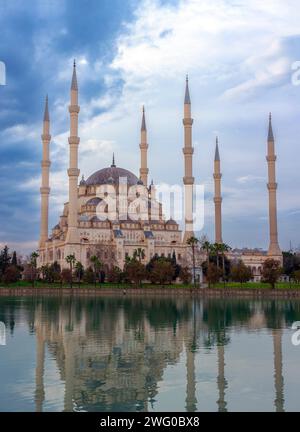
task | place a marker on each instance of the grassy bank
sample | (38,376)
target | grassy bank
(219,286)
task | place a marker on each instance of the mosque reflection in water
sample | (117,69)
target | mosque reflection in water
(111,353)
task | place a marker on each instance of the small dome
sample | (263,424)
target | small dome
(171,222)
(95,219)
(82,182)
(93,201)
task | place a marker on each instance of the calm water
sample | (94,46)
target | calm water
(155,354)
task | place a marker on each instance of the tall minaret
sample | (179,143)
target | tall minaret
(73,171)
(218,197)
(274,249)
(188,179)
(45,190)
(144,148)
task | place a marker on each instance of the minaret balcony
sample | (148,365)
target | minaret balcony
(74,109)
(45,163)
(74,140)
(188,122)
(73,172)
(46,137)
(272,186)
(188,180)
(188,150)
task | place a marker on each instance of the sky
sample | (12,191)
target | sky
(239,56)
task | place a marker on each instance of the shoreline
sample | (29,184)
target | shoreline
(159,291)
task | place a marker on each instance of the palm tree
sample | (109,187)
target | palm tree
(216,249)
(79,271)
(139,253)
(192,242)
(97,266)
(206,246)
(71,260)
(223,247)
(33,262)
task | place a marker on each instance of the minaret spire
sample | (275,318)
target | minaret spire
(143,127)
(270,132)
(218,197)
(113,165)
(45,164)
(144,150)
(73,171)
(74,84)
(187,99)
(274,249)
(46,112)
(188,178)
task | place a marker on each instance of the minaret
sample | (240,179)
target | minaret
(45,190)
(218,197)
(274,249)
(144,148)
(188,179)
(73,171)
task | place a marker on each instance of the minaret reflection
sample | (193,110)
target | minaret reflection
(278,377)
(191,348)
(222,383)
(40,361)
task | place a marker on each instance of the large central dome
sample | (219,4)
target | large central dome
(111,175)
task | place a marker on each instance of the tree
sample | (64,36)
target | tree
(66,276)
(207,248)
(97,267)
(50,272)
(297,276)
(213,274)
(79,271)
(162,272)
(223,248)
(193,242)
(176,266)
(71,260)
(114,274)
(139,254)
(11,274)
(240,273)
(185,275)
(291,263)
(135,271)
(4,260)
(89,276)
(33,264)
(14,260)
(30,273)
(271,272)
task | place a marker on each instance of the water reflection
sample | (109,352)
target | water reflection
(112,354)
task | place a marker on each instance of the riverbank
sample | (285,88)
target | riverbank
(151,291)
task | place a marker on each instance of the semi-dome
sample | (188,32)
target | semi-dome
(106,175)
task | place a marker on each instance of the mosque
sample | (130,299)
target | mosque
(114,212)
